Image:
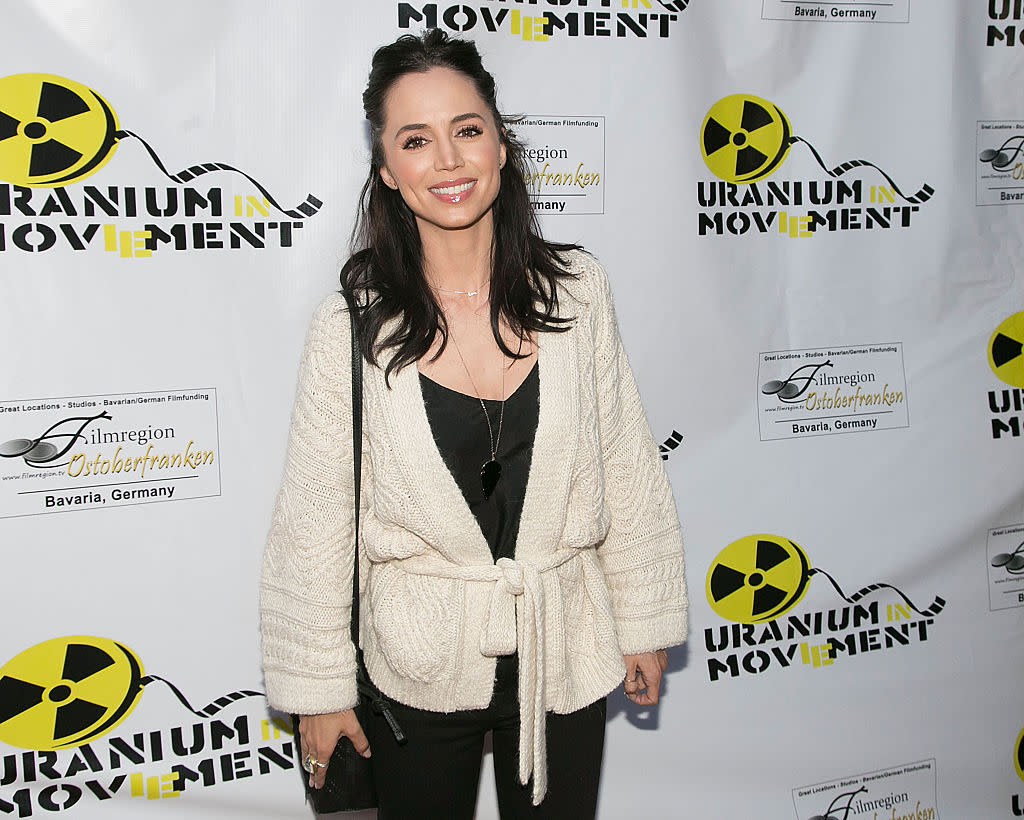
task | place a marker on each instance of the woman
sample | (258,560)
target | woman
(520,549)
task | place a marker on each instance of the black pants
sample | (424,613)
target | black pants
(437,773)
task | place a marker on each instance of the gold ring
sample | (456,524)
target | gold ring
(310,763)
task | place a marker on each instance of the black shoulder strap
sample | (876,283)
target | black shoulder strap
(357,456)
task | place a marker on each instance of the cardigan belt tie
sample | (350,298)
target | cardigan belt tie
(515,621)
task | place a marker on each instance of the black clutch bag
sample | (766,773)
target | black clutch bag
(349,784)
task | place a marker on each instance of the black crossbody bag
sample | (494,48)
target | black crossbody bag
(349,783)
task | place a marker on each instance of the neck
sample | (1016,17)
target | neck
(458,259)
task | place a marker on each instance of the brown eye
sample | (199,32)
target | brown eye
(470,131)
(414,142)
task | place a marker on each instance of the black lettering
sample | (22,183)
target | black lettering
(717,667)
(450,18)
(195,201)
(84,759)
(1009,35)
(219,731)
(77,242)
(170,208)
(20,237)
(134,755)
(103,794)
(58,202)
(999,427)
(23,799)
(178,746)
(48,796)
(709,639)
(407,15)
(256,237)
(283,759)
(107,204)
(638,24)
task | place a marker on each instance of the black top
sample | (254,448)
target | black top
(460,432)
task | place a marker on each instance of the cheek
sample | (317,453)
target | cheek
(488,157)
(404,168)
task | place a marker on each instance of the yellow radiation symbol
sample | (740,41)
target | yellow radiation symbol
(52,130)
(1005,348)
(757,578)
(66,691)
(743,138)
(1018,755)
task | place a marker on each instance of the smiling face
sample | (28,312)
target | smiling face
(442,150)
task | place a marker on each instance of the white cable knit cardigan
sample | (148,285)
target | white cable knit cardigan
(598,567)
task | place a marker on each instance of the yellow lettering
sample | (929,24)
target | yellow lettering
(76,464)
(145,458)
(255,206)
(141,237)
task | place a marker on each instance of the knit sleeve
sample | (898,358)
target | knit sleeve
(306,582)
(642,554)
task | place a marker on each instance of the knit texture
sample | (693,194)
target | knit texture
(598,567)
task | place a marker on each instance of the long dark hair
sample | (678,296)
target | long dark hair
(385,271)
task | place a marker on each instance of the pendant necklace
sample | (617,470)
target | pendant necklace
(490,471)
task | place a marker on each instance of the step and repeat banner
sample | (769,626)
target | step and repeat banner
(811,213)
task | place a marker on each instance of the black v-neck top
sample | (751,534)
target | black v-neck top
(460,432)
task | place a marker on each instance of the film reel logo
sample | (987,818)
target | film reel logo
(67,691)
(41,451)
(792,388)
(1005,348)
(760,577)
(1006,155)
(55,131)
(1012,561)
(757,578)
(744,138)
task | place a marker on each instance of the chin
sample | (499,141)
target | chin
(454,219)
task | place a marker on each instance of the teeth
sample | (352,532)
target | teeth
(452,189)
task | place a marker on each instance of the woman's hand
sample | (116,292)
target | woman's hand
(319,734)
(643,676)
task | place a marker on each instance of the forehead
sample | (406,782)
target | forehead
(432,97)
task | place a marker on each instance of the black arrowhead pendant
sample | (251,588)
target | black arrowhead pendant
(489,475)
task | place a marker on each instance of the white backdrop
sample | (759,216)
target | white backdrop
(183,325)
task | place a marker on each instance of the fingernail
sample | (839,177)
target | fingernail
(366,753)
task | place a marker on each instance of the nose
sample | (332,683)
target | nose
(447,156)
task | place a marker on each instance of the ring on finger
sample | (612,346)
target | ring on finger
(311,764)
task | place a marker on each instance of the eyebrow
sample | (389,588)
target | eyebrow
(416,126)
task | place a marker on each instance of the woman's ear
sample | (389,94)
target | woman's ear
(501,154)
(389,180)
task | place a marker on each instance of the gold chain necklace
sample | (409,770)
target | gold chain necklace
(476,292)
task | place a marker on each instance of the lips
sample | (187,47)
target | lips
(453,191)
